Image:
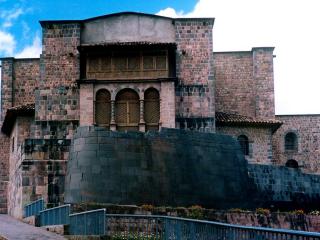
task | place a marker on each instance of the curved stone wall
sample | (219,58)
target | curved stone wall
(171,167)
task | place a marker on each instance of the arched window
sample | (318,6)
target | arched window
(127,110)
(291,142)
(292,164)
(103,107)
(244,144)
(152,109)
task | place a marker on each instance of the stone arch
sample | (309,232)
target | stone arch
(152,108)
(102,107)
(244,144)
(291,163)
(126,86)
(127,110)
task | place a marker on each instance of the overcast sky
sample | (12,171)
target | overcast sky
(291,26)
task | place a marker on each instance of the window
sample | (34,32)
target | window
(152,109)
(291,142)
(12,149)
(292,164)
(127,110)
(244,144)
(103,108)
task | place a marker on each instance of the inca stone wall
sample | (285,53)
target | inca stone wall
(171,167)
(284,187)
(260,142)
(194,69)
(19,80)
(306,127)
(244,82)
(37,170)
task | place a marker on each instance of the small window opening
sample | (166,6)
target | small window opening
(292,164)
(12,149)
(291,142)
(244,144)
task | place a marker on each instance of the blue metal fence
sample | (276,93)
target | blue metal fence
(55,216)
(124,226)
(33,209)
(88,223)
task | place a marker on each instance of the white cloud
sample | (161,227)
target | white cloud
(31,51)
(25,29)
(10,16)
(7,43)
(290,26)
(170,12)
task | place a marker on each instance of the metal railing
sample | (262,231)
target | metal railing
(88,223)
(34,208)
(55,216)
(124,226)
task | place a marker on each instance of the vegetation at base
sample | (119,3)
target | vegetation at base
(315,213)
(133,237)
(297,212)
(263,211)
(195,212)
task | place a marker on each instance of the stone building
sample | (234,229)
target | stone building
(136,72)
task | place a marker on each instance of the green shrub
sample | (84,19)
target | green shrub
(297,212)
(147,207)
(195,212)
(262,211)
(237,210)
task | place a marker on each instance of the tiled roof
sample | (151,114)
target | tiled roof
(22,108)
(108,44)
(223,118)
(12,113)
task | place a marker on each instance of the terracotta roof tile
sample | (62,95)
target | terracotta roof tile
(12,113)
(223,118)
(25,107)
(108,44)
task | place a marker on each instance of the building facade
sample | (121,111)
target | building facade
(136,72)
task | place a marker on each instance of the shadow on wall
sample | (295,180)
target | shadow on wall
(171,167)
(179,168)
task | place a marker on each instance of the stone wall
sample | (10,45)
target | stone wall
(26,80)
(4,171)
(282,187)
(37,169)
(257,218)
(244,82)
(194,69)
(20,78)
(171,167)
(306,127)
(260,141)
(234,83)
(58,95)
(6,85)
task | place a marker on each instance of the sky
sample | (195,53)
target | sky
(291,26)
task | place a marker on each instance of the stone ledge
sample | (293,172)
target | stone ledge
(30,220)
(58,229)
